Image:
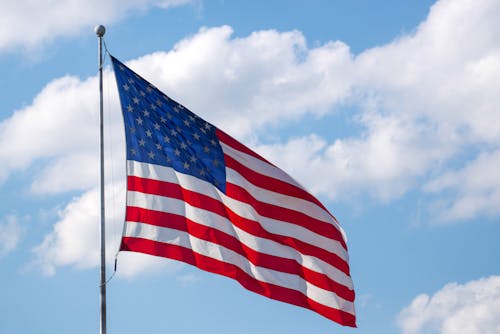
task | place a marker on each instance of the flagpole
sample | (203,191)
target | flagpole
(100,31)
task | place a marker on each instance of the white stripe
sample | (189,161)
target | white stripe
(289,202)
(258,165)
(240,208)
(215,251)
(266,169)
(212,220)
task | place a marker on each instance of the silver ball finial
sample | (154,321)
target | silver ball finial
(100,30)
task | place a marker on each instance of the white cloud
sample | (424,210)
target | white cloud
(476,189)
(75,238)
(30,23)
(427,103)
(10,234)
(432,74)
(385,162)
(60,128)
(246,83)
(439,93)
(471,308)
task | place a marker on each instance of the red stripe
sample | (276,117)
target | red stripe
(229,270)
(201,201)
(228,241)
(230,141)
(272,184)
(284,214)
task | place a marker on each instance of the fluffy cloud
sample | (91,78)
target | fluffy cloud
(64,120)
(475,189)
(10,234)
(243,84)
(75,239)
(427,103)
(471,308)
(22,24)
(385,162)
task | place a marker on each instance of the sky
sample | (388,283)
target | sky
(386,110)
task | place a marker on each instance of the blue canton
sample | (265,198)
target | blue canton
(160,131)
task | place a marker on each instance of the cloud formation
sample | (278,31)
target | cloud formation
(470,308)
(75,239)
(22,25)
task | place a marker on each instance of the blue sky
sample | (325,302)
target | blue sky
(386,110)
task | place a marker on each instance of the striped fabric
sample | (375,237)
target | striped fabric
(196,195)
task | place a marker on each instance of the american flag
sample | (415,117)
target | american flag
(197,195)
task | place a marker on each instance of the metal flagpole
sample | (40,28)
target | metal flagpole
(100,30)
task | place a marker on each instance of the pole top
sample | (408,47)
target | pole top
(100,30)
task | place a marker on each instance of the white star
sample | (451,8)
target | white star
(156,126)
(153,107)
(206,149)
(177,152)
(213,142)
(126,87)
(129,108)
(158,146)
(183,146)
(173,132)
(186,122)
(142,142)
(186,165)
(193,158)
(151,155)
(146,113)
(149,133)
(196,136)
(139,120)
(163,120)
(136,100)
(166,139)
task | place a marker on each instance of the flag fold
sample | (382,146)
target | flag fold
(197,195)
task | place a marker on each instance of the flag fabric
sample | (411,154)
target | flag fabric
(197,195)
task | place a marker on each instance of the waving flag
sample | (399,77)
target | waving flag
(196,195)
